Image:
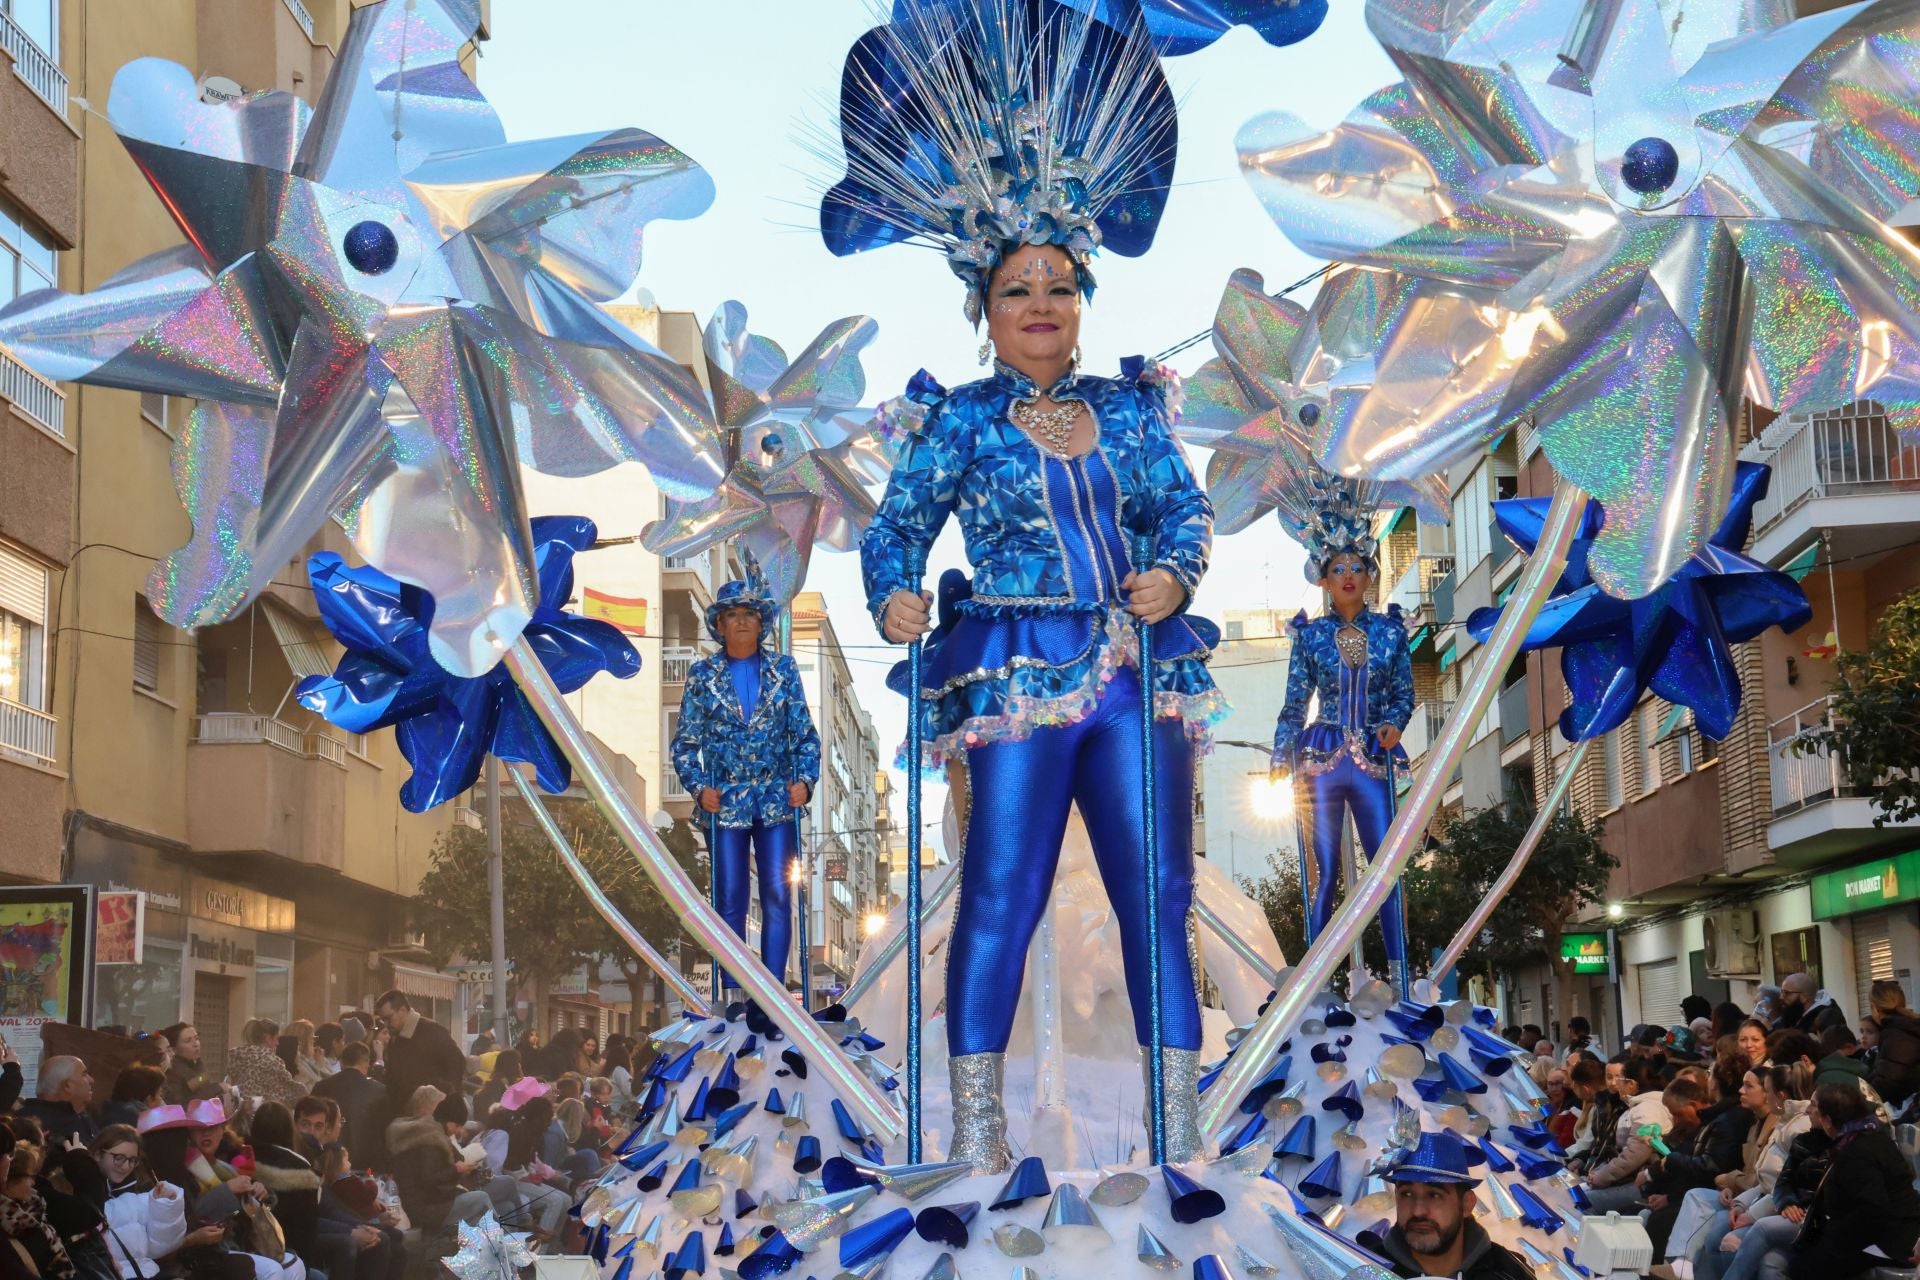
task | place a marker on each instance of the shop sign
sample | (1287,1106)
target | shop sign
(1587,951)
(120,928)
(836,868)
(225,952)
(570,984)
(1867,887)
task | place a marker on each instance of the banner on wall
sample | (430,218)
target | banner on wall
(46,951)
(120,928)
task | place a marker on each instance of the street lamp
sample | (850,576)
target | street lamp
(1272,798)
(876,921)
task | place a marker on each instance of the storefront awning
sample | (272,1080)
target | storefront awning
(424,983)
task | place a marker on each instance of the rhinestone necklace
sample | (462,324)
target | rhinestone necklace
(1352,644)
(1052,429)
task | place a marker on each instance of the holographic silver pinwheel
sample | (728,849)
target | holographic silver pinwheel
(1637,228)
(382,306)
(489,1252)
(1253,408)
(801,451)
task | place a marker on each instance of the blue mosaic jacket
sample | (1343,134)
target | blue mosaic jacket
(751,763)
(966,457)
(1354,704)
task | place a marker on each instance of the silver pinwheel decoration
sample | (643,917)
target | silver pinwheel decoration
(383,308)
(1254,407)
(488,1252)
(801,450)
(1635,227)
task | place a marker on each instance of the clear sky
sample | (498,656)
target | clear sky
(733,83)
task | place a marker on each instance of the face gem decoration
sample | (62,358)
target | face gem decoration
(1618,230)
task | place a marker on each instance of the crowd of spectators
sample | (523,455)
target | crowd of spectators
(339,1151)
(1755,1145)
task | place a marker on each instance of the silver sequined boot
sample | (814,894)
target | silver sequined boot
(1181,1069)
(979,1118)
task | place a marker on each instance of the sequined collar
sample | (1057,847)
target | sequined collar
(1024,388)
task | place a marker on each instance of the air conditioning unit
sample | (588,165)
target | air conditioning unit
(407,940)
(1732,942)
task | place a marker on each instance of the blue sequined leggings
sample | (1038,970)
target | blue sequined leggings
(1021,793)
(1324,801)
(774,846)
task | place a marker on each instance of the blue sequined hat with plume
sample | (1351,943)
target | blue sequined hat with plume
(750,592)
(976,126)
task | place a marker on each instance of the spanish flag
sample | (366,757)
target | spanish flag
(1827,647)
(626,613)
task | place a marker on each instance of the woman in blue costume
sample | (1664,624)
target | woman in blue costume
(748,753)
(1055,477)
(1355,662)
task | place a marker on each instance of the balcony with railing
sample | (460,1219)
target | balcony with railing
(34,65)
(1414,591)
(1513,712)
(26,733)
(1818,811)
(675,662)
(692,572)
(31,394)
(1847,470)
(1428,718)
(294,784)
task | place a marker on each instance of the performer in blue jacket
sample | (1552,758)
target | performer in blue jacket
(1034,694)
(746,749)
(1355,661)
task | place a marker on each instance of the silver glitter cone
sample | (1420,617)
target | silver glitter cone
(1071,1225)
(1017,1241)
(1152,1254)
(810,1223)
(1119,1189)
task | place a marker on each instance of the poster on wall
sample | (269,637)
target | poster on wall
(120,929)
(46,951)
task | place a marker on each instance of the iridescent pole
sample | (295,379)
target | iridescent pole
(1300,795)
(1156,1048)
(602,904)
(822,1051)
(1400,966)
(916,566)
(1315,971)
(713,892)
(1509,877)
(803,903)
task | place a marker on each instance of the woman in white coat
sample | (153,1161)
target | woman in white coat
(146,1218)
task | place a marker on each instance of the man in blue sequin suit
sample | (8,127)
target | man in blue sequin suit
(746,749)
(1356,663)
(1034,693)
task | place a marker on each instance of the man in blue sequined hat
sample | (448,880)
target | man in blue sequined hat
(1433,1232)
(747,751)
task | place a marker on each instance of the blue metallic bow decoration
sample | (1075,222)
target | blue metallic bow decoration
(1180,27)
(1673,641)
(446,724)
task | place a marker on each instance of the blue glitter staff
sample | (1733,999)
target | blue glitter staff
(916,570)
(1400,970)
(1143,560)
(713,894)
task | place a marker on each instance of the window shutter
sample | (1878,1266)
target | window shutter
(146,646)
(1659,992)
(23,588)
(1872,954)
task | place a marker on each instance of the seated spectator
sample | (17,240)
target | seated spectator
(1600,1108)
(620,1070)
(428,1168)
(1685,1188)
(1562,1109)
(184,1074)
(290,1177)
(537,1156)
(1612,1185)
(146,1219)
(506,1071)
(301,1054)
(328,1039)
(1746,1196)
(1579,1033)
(1895,1073)
(63,1093)
(319,1124)
(23,1215)
(1752,1041)
(137,1089)
(1806,1007)
(365,1240)
(255,1067)
(1838,1063)
(1867,1200)
(214,1201)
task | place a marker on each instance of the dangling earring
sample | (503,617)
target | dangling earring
(1076,353)
(986,351)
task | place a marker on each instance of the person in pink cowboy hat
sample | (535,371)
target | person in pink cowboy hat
(181,1145)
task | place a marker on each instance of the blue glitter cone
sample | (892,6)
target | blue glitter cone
(723,1247)
(774,1258)
(651,1180)
(1415,1022)
(849,1127)
(1299,1142)
(775,1104)
(1534,1211)
(1267,1085)
(1322,1182)
(1346,1100)
(1249,1132)
(1191,1202)
(723,1123)
(948,1224)
(876,1239)
(1493,1157)
(842,1174)
(1533,1137)
(625,1270)
(1028,1181)
(696,1111)
(691,1260)
(1209,1267)
(743,1203)
(1534,1166)
(681,1067)
(806,1155)
(1327,1053)
(1460,1076)
(726,1087)
(1339,1015)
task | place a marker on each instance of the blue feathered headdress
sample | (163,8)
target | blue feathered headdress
(980,125)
